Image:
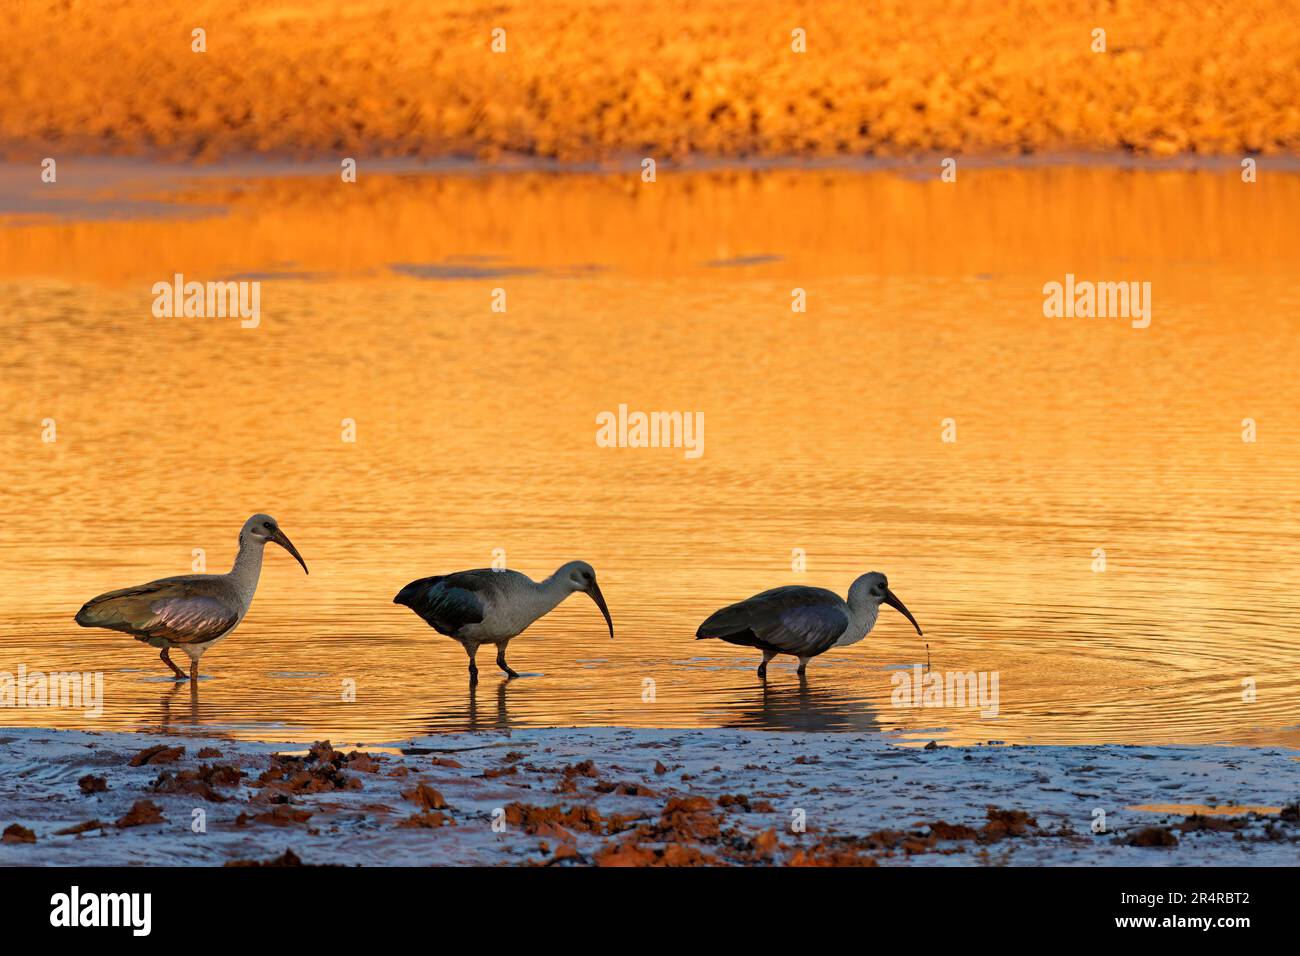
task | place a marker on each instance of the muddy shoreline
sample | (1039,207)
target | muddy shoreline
(612,797)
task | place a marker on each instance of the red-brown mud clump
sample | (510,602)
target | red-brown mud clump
(142,813)
(426,797)
(81,828)
(687,833)
(428,820)
(322,770)
(1198,822)
(571,774)
(200,782)
(159,753)
(953,831)
(633,854)
(557,821)
(1005,823)
(623,788)
(16,833)
(92,784)
(288,858)
(280,815)
(925,838)
(431,803)
(739,801)
(1153,836)
(832,853)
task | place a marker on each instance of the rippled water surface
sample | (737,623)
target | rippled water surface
(476,431)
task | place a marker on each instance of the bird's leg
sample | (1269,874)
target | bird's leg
(803,666)
(762,668)
(166,659)
(194,672)
(501,661)
(472,651)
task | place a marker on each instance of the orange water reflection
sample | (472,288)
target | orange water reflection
(476,431)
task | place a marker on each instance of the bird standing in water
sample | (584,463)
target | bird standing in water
(191,611)
(802,621)
(493,606)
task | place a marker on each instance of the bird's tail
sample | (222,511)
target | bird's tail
(109,609)
(723,624)
(413,591)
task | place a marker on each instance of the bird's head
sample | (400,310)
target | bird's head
(581,576)
(263,528)
(873,588)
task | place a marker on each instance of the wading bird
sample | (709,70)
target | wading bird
(190,612)
(491,606)
(803,621)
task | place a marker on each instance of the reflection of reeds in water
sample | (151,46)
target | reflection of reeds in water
(701,76)
(719,223)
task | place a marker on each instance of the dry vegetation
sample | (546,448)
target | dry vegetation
(591,80)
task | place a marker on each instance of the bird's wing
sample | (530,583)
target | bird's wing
(446,602)
(179,610)
(794,619)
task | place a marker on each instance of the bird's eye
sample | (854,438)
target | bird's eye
(266,525)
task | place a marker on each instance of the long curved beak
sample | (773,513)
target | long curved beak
(282,539)
(600,603)
(892,600)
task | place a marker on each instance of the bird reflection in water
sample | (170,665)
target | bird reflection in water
(800,705)
(174,709)
(490,713)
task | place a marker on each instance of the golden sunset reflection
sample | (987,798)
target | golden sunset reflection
(476,431)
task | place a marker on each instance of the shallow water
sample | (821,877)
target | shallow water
(476,431)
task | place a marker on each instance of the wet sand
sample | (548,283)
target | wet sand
(621,797)
(704,77)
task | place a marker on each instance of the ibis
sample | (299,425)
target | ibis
(190,612)
(803,621)
(495,605)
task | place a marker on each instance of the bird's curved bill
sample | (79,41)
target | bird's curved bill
(892,600)
(282,539)
(600,603)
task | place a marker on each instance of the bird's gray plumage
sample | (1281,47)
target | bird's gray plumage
(493,606)
(795,620)
(803,621)
(450,602)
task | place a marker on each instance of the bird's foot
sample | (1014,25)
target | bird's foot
(166,659)
(762,670)
(511,673)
